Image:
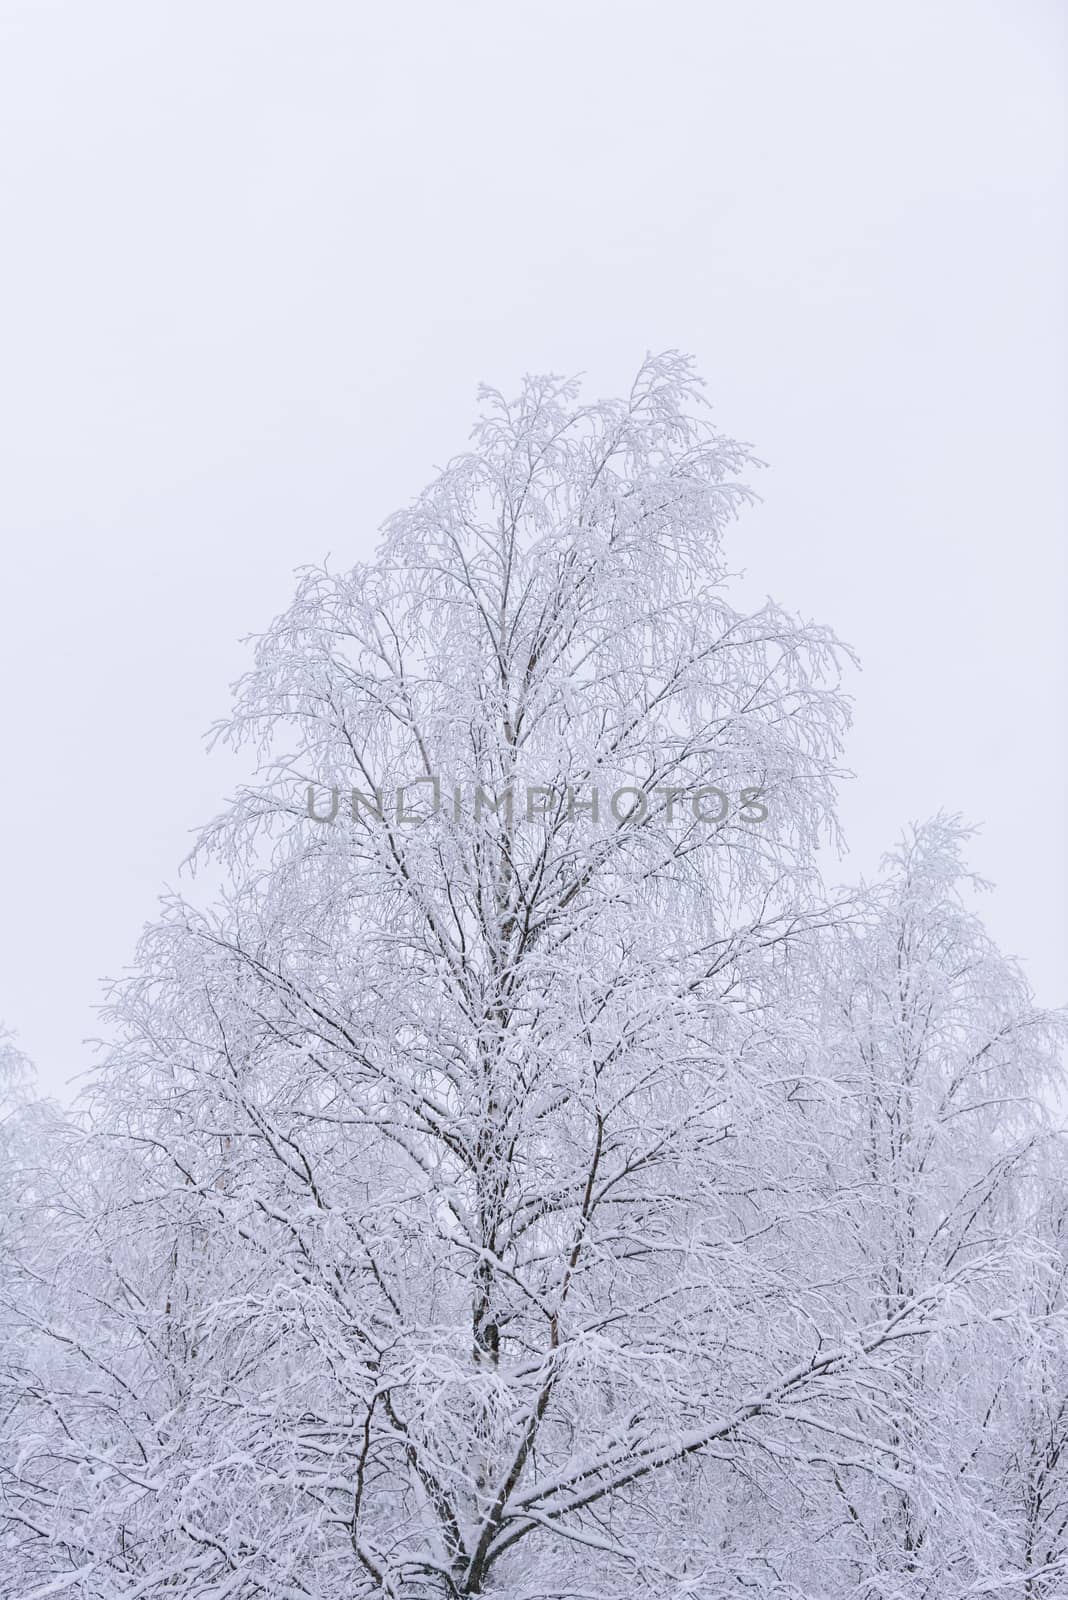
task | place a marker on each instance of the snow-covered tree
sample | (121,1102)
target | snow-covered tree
(528,1180)
(937,1144)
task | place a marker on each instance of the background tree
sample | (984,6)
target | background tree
(941,1063)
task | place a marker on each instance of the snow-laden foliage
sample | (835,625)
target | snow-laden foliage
(534,1204)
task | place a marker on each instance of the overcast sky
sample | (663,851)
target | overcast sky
(257,256)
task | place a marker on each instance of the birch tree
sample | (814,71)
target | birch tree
(941,1141)
(457,1212)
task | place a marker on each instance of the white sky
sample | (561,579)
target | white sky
(256,257)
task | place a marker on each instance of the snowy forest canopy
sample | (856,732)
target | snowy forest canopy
(568,1208)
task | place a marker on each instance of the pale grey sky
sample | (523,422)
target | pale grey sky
(257,255)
